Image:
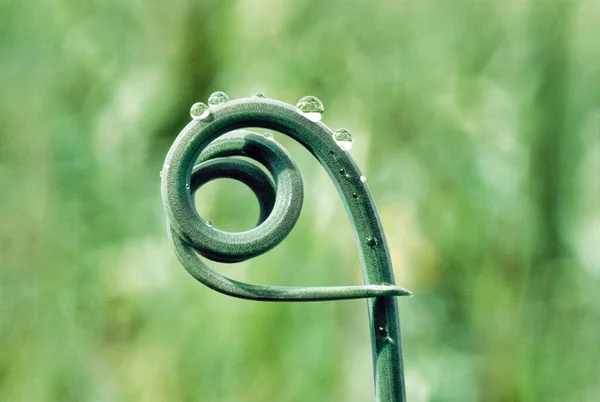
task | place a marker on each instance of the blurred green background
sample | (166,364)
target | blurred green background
(477,124)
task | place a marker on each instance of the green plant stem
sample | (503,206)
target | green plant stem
(280,204)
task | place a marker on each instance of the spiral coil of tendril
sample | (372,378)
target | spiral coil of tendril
(200,154)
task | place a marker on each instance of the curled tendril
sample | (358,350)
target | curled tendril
(202,153)
(198,156)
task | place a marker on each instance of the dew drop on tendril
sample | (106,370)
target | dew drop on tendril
(199,111)
(363,178)
(209,224)
(372,241)
(164,169)
(311,108)
(217,98)
(343,138)
(258,95)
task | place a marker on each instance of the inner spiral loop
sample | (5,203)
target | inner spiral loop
(240,170)
(280,204)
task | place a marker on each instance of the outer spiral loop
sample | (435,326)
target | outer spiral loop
(280,202)
(280,213)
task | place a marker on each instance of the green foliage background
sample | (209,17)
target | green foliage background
(477,124)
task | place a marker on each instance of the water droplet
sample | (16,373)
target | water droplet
(343,138)
(209,224)
(258,95)
(199,111)
(311,108)
(383,332)
(217,98)
(268,135)
(354,195)
(187,186)
(343,172)
(372,241)
(363,178)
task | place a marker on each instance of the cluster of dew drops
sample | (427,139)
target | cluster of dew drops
(309,106)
